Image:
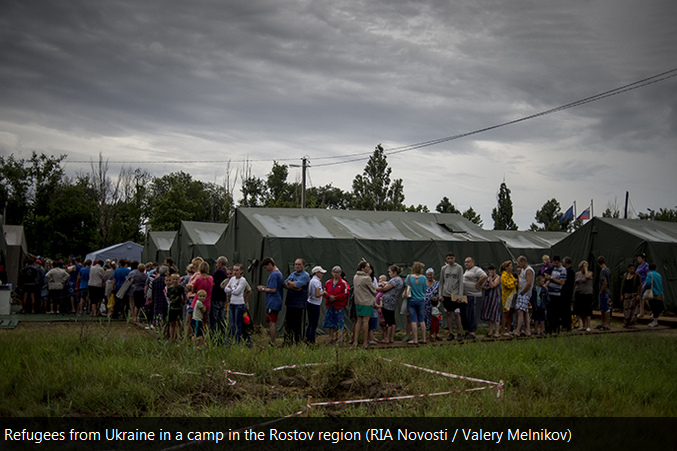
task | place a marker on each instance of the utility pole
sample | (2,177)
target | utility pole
(303,182)
(627,196)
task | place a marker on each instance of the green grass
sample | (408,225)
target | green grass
(116,370)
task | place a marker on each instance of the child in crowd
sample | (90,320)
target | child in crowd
(196,321)
(542,300)
(374,319)
(177,298)
(435,318)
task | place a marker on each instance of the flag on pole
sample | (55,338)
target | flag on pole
(585,215)
(569,214)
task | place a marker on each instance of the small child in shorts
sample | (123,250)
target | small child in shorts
(196,321)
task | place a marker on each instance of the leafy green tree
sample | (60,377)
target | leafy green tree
(609,213)
(373,190)
(174,198)
(329,197)
(26,190)
(471,215)
(502,214)
(418,208)
(550,218)
(663,214)
(70,225)
(445,206)
(15,182)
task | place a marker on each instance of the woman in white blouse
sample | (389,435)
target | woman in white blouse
(236,288)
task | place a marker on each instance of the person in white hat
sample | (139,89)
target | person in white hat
(315,294)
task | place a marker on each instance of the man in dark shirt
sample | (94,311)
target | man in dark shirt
(217,314)
(567,294)
(297,299)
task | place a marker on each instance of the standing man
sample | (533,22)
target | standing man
(297,299)
(524,288)
(97,280)
(29,280)
(604,294)
(473,279)
(451,293)
(217,313)
(120,275)
(568,293)
(554,284)
(273,290)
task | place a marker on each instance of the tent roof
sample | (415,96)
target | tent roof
(162,240)
(203,232)
(518,239)
(650,231)
(370,225)
(128,249)
(15,236)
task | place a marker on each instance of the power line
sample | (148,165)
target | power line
(350,158)
(622,89)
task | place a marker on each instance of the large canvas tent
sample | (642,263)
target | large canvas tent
(533,245)
(339,237)
(16,251)
(128,250)
(158,246)
(620,241)
(203,239)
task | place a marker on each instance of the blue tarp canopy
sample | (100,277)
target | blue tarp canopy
(127,250)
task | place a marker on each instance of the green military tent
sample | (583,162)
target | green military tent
(533,245)
(620,241)
(158,246)
(343,237)
(203,239)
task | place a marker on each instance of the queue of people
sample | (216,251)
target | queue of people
(200,302)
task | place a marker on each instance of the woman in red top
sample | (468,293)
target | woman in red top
(203,282)
(338,292)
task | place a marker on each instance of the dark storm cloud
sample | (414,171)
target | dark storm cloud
(274,79)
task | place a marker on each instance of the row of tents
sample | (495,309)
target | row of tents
(339,237)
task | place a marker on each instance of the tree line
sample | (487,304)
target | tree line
(65,215)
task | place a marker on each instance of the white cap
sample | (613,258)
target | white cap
(319,269)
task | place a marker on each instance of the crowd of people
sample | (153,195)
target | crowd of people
(198,302)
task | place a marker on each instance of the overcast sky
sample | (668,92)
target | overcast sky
(209,81)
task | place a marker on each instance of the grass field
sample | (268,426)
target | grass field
(100,369)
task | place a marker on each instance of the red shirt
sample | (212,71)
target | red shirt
(203,283)
(341,291)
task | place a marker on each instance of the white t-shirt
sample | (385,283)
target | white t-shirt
(314,284)
(470,279)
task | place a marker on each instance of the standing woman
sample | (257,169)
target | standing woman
(508,294)
(583,295)
(631,289)
(236,287)
(417,282)
(315,295)
(491,303)
(654,282)
(643,271)
(337,291)
(204,281)
(364,292)
(138,277)
(392,291)
(432,291)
